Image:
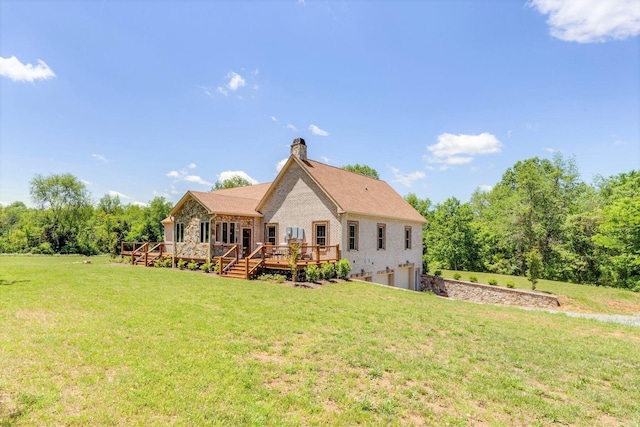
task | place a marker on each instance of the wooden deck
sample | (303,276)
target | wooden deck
(232,264)
(278,258)
(144,253)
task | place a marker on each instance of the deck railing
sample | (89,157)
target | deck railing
(309,254)
(150,251)
(227,257)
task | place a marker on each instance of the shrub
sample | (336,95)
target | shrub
(328,271)
(158,263)
(45,248)
(206,267)
(493,282)
(457,276)
(425,262)
(437,273)
(343,268)
(193,266)
(473,278)
(168,262)
(182,264)
(313,273)
(511,284)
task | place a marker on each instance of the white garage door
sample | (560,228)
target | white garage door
(403,277)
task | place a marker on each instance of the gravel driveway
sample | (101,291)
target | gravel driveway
(611,318)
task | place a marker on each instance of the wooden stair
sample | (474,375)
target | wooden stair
(239,270)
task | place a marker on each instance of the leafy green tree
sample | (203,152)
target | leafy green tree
(529,208)
(110,205)
(534,267)
(451,236)
(362,170)
(618,234)
(233,182)
(147,226)
(66,203)
(421,205)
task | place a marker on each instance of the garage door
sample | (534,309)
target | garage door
(403,277)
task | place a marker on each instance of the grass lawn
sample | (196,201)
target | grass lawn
(110,344)
(572,297)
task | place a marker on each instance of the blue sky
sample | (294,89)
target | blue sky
(147,98)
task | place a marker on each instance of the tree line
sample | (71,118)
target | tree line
(65,220)
(541,211)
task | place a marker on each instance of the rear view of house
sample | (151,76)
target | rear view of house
(329,212)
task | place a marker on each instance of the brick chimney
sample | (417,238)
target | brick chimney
(299,149)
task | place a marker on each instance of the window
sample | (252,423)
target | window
(382,236)
(204,232)
(227,232)
(271,234)
(179,232)
(321,233)
(407,237)
(353,235)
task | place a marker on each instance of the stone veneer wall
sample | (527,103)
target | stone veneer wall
(478,292)
(190,215)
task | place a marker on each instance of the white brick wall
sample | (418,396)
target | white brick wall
(370,259)
(298,202)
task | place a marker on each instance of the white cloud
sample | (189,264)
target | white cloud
(100,157)
(184,176)
(281,164)
(192,166)
(230,174)
(275,119)
(234,82)
(486,188)
(550,150)
(114,193)
(460,149)
(324,159)
(406,180)
(142,205)
(589,21)
(317,131)
(292,127)
(19,72)
(85,182)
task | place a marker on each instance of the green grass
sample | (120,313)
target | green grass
(572,296)
(109,344)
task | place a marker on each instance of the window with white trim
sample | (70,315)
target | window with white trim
(271,234)
(179,232)
(204,231)
(353,235)
(407,237)
(321,233)
(382,236)
(227,232)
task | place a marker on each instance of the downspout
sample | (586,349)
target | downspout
(173,242)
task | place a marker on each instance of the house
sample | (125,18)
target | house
(331,213)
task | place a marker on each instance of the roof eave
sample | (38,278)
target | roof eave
(373,215)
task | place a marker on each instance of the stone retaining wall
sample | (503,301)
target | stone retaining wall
(477,292)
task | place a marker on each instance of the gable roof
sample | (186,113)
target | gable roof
(352,192)
(230,201)
(359,194)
